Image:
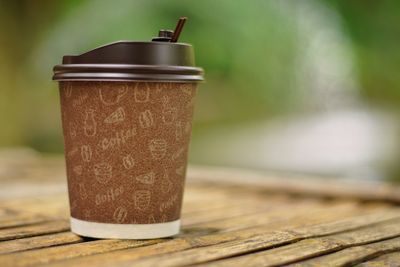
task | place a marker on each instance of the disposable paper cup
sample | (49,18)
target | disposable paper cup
(127,112)
(126,146)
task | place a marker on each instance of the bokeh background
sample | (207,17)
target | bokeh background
(307,86)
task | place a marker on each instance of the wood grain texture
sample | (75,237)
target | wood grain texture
(317,246)
(257,240)
(34,230)
(230,218)
(357,254)
(163,253)
(39,242)
(389,259)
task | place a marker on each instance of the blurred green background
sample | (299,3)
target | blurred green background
(307,86)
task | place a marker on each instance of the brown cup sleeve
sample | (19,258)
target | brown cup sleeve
(126,148)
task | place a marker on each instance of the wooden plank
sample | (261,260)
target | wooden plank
(390,259)
(356,254)
(313,247)
(69,251)
(34,230)
(22,220)
(39,242)
(41,256)
(129,256)
(261,240)
(296,184)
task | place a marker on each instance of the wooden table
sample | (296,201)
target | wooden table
(230,218)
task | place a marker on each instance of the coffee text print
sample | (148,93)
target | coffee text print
(82,191)
(146,119)
(86,153)
(79,100)
(142,92)
(169,203)
(166,184)
(103,172)
(142,199)
(169,113)
(128,162)
(120,214)
(117,116)
(110,195)
(120,138)
(89,124)
(112,96)
(147,178)
(158,148)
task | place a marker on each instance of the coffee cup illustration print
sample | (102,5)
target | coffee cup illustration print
(158,148)
(112,96)
(146,119)
(120,214)
(103,172)
(86,153)
(142,92)
(169,113)
(142,199)
(147,178)
(117,116)
(89,124)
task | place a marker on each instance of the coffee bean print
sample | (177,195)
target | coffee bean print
(147,178)
(128,162)
(120,214)
(86,153)
(146,119)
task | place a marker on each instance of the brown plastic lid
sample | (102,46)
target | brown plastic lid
(162,59)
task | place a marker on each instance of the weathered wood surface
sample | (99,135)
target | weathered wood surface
(230,218)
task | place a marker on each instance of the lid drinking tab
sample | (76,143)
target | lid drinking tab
(162,59)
